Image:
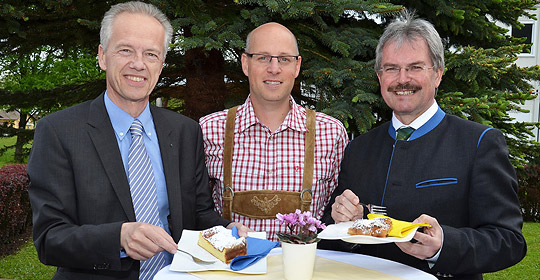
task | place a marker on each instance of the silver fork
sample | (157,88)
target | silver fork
(376,209)
(196,259)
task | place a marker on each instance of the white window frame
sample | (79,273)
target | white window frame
(533,38)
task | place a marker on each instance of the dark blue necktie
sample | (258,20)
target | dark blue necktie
(403,133)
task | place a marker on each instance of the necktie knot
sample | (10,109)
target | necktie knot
(136,128)
(403,133)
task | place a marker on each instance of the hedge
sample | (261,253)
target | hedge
(15,211)
(529,192)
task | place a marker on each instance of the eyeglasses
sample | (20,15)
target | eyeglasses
(264,59)
(412,70)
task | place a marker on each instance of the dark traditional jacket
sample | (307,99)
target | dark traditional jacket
(452,169)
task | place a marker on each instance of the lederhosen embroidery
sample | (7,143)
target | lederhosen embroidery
(265,204)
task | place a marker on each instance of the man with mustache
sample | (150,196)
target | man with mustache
(451,173)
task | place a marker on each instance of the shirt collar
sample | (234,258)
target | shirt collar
(293,120)
(121,120)
(418,122)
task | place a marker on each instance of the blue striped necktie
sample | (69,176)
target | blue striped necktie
(143,194)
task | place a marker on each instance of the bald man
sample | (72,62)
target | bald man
(268,170)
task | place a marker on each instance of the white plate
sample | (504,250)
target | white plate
(185,263)
(339,231)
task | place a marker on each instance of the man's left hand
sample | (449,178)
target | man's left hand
(429,242)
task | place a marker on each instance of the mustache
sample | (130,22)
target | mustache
(404,87)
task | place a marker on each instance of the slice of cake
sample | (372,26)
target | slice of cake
(220,242)
(378,227)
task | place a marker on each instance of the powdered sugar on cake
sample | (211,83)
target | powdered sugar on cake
(378,227)
(221,238)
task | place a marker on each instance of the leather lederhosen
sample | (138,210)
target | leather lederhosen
(265,204)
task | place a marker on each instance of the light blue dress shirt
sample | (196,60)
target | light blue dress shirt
(121,121)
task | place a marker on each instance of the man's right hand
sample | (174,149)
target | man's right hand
(142,241)
(347,207)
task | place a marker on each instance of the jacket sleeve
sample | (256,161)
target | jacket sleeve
(341,141)
(60,238)
(342,182)
(494,240)
(327,219)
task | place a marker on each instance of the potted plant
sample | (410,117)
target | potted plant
(299,244)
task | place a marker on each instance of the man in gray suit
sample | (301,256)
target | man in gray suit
(84,217)
(451,173)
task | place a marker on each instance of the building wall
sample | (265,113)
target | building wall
(12,119)
(531,59)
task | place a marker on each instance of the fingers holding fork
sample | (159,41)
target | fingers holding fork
(347,207)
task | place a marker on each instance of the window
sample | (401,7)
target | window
(526,31)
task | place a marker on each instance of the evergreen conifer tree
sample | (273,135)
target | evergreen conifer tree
(337,42)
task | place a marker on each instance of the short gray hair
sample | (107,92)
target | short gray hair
(248,39)
(408,28)
(134,7)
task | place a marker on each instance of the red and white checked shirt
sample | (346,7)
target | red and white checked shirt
(265,160)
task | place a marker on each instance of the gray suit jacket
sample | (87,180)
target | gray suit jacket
(80,194)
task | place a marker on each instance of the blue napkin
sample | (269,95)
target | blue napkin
(256,250)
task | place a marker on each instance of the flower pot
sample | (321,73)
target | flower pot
(298,260)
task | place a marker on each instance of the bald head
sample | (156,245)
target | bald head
(271,80)
(273,30)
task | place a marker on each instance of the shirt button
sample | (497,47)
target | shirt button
(121,134)
(270,171)
(101,266)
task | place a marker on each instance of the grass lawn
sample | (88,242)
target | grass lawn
(25,265)
(529,267)
(7,157)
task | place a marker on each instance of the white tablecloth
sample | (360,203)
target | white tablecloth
(369,262)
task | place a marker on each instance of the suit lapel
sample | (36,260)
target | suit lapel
(102,135)
(169,148)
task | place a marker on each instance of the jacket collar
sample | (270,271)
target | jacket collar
(424,129)
(102,134)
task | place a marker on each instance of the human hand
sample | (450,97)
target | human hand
(142,241)
(429,242)
(242,230)
(347,207)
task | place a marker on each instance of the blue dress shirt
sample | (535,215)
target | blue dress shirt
(121,121)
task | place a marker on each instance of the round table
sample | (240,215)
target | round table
(368,262)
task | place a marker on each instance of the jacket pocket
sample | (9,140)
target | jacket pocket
(436,182)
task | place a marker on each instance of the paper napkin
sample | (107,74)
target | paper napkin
(256,250)
(399,228)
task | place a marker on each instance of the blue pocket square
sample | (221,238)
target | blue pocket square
(256,250)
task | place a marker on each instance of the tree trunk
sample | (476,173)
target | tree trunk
(19,145)
(205,89)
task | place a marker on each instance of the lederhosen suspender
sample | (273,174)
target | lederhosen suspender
(265,204)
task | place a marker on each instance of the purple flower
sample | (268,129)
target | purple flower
(292,218)
(303,227)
